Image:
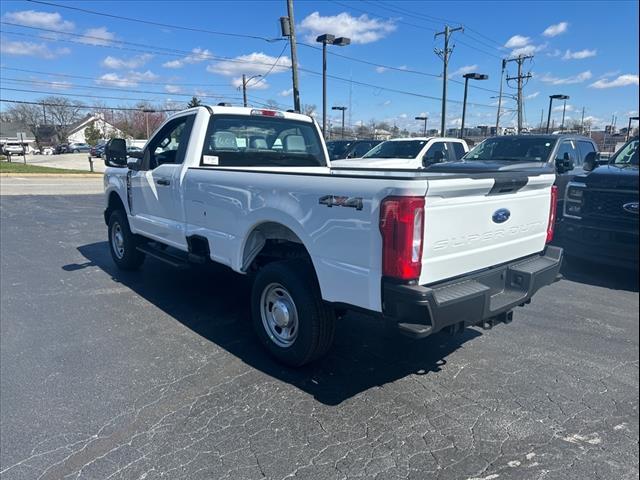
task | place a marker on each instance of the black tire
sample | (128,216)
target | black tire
(315,325)
(125,255)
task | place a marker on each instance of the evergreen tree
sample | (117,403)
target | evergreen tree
(92,134)
(194,102)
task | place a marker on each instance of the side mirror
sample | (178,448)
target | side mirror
(590,162)
(115,153)
(564,164)
(134,163)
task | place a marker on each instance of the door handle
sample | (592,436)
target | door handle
(163,182)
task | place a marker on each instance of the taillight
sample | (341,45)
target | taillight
(401,226)
(552,213)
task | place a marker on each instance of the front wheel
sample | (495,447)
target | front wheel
(123,243)
(288,313)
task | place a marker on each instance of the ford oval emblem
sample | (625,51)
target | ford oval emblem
(501,216)
(631,207)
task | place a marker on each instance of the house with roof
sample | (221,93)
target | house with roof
(76,131)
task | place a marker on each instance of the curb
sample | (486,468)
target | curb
(52,175)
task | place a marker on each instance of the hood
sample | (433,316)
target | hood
(376,163)
(615,177)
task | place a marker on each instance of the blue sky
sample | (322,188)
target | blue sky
(588,50)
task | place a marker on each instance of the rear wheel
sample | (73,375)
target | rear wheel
(123,243)
(288,313)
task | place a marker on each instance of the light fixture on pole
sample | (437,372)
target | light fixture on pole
(245,82)
(424,119)
(326,39)
(467,77)
(551,99)
(629,127)
(341,109)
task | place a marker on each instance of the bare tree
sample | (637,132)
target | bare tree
(28,115)
(62,112)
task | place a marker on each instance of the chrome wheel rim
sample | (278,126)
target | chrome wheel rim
(279,315)
(117,240)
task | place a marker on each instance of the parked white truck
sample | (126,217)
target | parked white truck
(253,189)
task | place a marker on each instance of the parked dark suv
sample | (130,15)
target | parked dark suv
(339,149)
(600,217)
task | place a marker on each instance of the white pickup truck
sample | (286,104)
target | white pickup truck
(253,189)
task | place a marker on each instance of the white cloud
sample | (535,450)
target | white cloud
(559,108)
(32,18)
(528,50)
(31,49)
(381,69)
(130,79)
(172,89)
(579,78)
(620,81)
(120,63)
(517,41)
(554,30)
(579,55)
(360,29)
(555,53)
(465,69)
(386,103)
(532,95)
(252,64)
(197,55)
(97,36)
(60,85)
(286,93)
(253,84)
(403,67)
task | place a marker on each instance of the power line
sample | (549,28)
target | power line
(182,53)
(156,24)
(102,87)
(64,75)
(86,107)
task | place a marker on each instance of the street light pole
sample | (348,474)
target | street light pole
(342,109)
(425,118)
(147,111)
(245,82)
(564,109)
(325,39)
(551,99)
(467,76)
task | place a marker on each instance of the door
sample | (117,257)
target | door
(156,203)
(566,148)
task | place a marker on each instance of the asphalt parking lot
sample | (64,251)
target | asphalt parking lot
(156,374)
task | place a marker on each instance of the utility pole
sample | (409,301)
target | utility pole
(582,123)
(244,90)
(520,60)
(288,28)
(444,55)
(504,66)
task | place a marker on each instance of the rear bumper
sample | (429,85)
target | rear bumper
(483,297)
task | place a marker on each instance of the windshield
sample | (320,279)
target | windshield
(337,149)
(396,149)
(521,149)
(627,155)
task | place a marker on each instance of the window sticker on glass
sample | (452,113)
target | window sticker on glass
(210,160)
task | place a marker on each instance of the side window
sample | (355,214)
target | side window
(361,149)
(585,148)
(170,143)
(436,153)
(457,149)
(567,147)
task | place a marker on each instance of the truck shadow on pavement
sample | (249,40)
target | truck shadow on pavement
(600,275)
(214,303)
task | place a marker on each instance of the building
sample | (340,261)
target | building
(10,134)
(76,132)
(380,134)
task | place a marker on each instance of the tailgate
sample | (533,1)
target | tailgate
(469,225)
